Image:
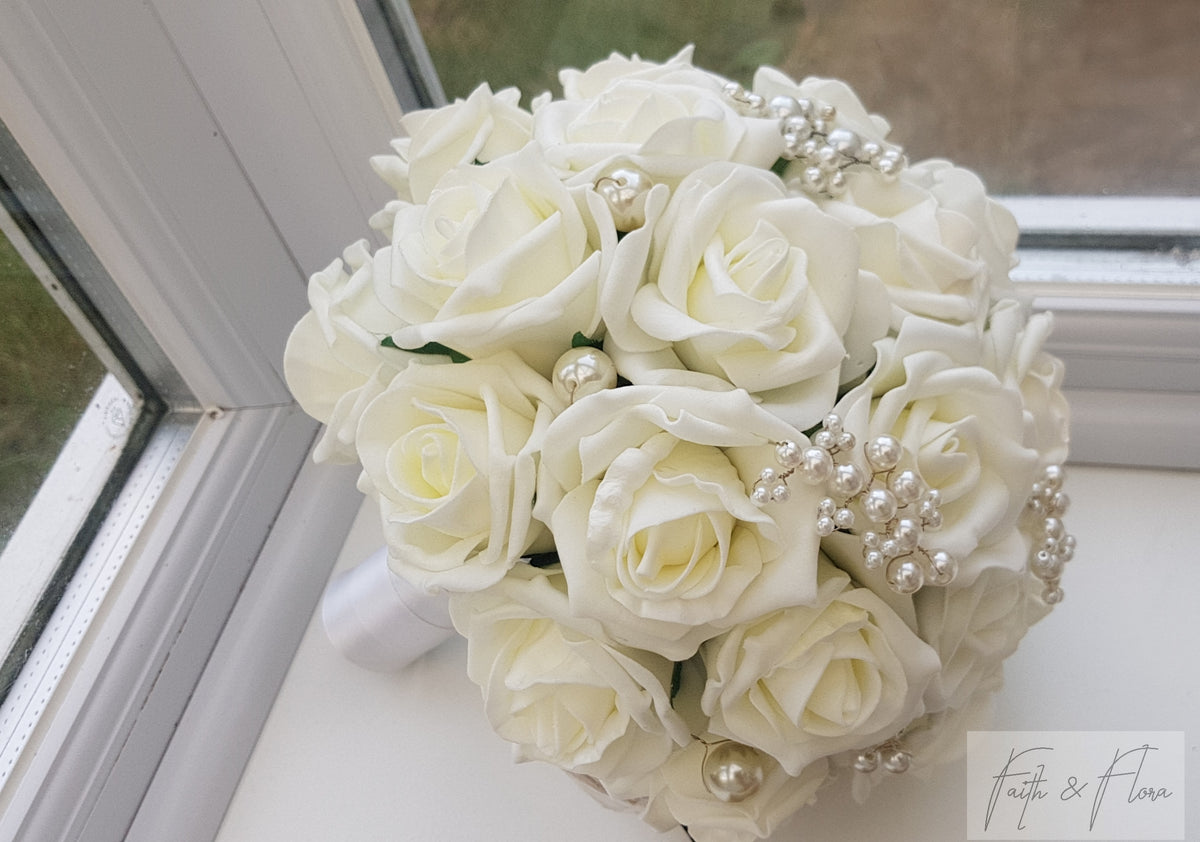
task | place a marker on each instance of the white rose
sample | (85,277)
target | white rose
(483,127)
(646,490)
(557,689)
(1014,351)
(962,430)
(750,288)
(667,119)
(682,798)
(974,628)
(813,680)
(334,362)
(934,238)
(504,256)
(450,451)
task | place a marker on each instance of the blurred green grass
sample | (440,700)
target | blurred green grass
(47,376)
(527,44)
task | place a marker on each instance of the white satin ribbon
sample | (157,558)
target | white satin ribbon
(378,620)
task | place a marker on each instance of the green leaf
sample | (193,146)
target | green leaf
(543,559)
(676,679)
(581,341)
(433,348)
(779,166)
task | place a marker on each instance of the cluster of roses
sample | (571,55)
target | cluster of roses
(629,608)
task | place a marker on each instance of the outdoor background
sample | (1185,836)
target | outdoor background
(1088,97)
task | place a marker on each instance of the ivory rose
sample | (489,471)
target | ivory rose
(450,452)
(334,362)
(667,118)
(680,797)
(483,127)
(974,628)
(503,256)
(963,431)
(1015,351)
(941,247)
(553,685)
(646,490)
(750,288)
(813,680)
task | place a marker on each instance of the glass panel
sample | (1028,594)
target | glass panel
(47,378)
(1089,97)
(70,426)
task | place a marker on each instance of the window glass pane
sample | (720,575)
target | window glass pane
(1090,97)
(47,377)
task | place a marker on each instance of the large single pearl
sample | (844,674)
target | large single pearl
(625,189)
(583,371)
(733,772)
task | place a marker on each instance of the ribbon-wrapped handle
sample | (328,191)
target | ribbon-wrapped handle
(379,620)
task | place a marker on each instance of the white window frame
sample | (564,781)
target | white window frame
(214,154)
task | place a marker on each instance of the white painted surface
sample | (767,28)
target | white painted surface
(353,755)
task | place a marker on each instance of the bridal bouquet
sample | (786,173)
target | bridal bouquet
(718,419)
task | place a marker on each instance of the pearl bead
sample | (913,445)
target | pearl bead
(884,452)
(1053,477)
(907,487)
(897,762)
(907,533)
(904,576)
(624,190)
(880,505)
(826,111)
(583,371)
(826,507)
(844,518)
(733,772)
(844,141)
(783,106)
(867,762)
(760,495)
(1052,595)
(873,559)
(848,480)
(781,493)
(846,441)
(1046,566)
(768,476)
(797,127)
(825,526)
(816,465)
(789,455)
(943,566)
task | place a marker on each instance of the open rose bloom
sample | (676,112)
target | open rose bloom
(718,420)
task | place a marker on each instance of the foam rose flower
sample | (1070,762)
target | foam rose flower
(480,128)
(813,680)
(974,628)
(1015,351)
(557,689)
(646,490)
(334,362)
(680,797)
(450,452)
(962,430)
(503,256)
(935,239)
(750,288)
(667,118)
